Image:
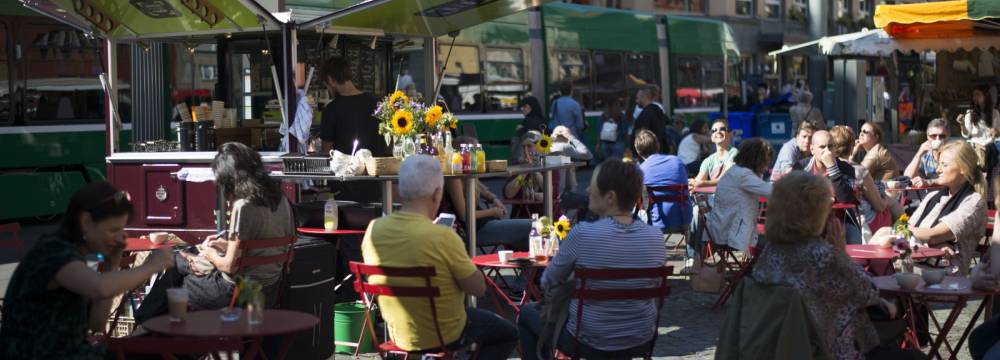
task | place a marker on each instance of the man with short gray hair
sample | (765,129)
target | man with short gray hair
(409,238)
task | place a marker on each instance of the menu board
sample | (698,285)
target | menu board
(369,66)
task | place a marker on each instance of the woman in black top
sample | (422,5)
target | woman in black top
(533,118)
(54,298)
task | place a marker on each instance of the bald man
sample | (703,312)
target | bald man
(824,162)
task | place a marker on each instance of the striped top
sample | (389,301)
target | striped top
(604,244)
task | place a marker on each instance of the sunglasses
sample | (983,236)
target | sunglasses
(935,136)
(120,198)
(866,132)
(721,129)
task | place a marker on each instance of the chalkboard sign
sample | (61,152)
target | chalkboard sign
(369,67)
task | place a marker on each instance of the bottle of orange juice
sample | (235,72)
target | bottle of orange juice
(480,159)
(456,163)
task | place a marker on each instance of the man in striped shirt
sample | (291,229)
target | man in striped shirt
(620,328)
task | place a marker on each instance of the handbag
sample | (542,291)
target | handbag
(609,131)
(706,278)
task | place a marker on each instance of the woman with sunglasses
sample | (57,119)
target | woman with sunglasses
(715,165)
(54,297)
(870,152)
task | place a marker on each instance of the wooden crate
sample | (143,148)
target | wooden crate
(496,166)
(383,166)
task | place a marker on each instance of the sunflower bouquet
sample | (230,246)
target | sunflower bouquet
(552,232)
(400,116)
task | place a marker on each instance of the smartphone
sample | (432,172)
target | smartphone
(222,234)
(445,219)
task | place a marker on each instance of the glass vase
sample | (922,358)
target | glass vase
(397,149)
(409,147)
(255,312)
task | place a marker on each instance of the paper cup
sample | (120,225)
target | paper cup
(505,256)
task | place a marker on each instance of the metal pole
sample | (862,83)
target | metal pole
(112,79)
(547,202)
(469,182)
(663,39)
(387,197)
(536,41)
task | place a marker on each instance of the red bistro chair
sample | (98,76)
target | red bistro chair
(284,258)
(10,237)
(583,294)
(670,194)
(735,266)
(167,348)
(369,293)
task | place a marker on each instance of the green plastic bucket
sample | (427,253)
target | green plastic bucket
(348,318)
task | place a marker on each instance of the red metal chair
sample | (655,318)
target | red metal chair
(735,266)
(670,194)
(284,258)
(370,292)
(10,237)
(168,348)
(584,293)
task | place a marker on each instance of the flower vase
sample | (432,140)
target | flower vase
(255,311)
(409,146)
(907,264)
(397,148)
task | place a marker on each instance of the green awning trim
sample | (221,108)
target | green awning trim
(982,9)
(700,36)
(420,17)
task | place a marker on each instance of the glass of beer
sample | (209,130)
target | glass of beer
(177,303)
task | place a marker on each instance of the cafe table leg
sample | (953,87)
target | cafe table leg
(986,304)
(286,342)
(943,331)
(386,197)
(547,201)
(469,183)
(500,295)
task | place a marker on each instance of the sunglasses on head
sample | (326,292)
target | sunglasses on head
(120,198)
(721,129)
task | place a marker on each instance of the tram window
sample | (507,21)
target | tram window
(462,87)
(609,81)
(575,68)
(6,95)
(688,89)
(679,5)
(640,70)
(505,80)
(60,75)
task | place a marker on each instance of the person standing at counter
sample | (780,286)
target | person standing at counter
(346,118)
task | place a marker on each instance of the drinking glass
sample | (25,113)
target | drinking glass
(255,311)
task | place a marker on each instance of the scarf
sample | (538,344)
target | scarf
(949,206)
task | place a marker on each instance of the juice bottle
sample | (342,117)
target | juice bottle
(466,159)
(480,159)
(456,162)
(473,160)
(330,214)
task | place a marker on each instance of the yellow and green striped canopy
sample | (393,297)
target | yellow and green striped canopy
(939,19)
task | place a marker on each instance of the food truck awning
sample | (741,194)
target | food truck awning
(879,43)
(139,19)
(416,17)
(948,19)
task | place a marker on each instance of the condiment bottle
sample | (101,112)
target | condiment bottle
(480,159)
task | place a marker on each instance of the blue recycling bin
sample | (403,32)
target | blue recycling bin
(740,123)
(775,127)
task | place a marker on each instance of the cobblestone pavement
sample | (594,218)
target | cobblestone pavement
(689,328)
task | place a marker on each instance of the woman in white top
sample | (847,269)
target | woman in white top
(733,220)
(953,218)
(692,148)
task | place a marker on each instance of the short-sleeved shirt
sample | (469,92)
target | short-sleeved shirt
(787,157)
(928,166)
(349,118)
(714,165)
(689,150)
(406,239)
(666,170)
(608,244)
(254,222)
(967,222)
(42,320)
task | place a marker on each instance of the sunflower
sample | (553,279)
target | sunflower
(402,122)
(432,115)
(562,227)
(904,218)
(544,144)
(397,96)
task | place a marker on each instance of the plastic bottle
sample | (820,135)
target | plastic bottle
(456,162)
(466,159)
(534,244)
(330,214)
(448,152)
(480,159)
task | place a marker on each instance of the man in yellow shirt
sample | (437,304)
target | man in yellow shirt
(409,238)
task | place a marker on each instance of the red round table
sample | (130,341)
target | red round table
(955,290)
(490,265)
(874,253)
(207,323)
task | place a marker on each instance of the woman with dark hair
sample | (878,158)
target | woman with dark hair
(733,220)
(979,127)
(54,297)
(259,211)
(533,118)
(612,143)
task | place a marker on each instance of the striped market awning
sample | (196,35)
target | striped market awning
(940,19)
